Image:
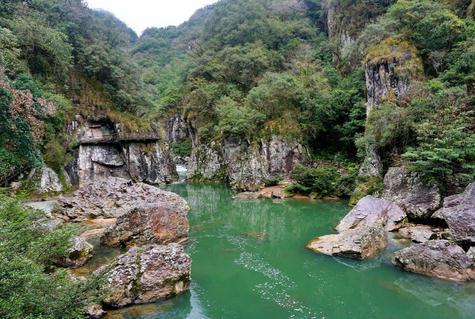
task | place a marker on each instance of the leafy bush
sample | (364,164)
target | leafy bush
(183,148)
(31,287)
(324,180)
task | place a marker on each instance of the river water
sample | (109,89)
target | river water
(250,261)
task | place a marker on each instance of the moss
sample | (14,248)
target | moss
(129,122)
(399,51)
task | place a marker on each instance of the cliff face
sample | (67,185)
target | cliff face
(245,166)
(106,151)
(389,69)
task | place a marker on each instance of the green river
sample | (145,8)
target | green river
(250,261)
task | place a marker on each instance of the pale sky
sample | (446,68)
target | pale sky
(141,14)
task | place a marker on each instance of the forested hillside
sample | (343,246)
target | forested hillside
(59,59)
(251,70)
(302,70)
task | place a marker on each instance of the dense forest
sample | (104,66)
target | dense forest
(246,69)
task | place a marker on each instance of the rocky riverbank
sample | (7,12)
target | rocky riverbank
(149,224)
(442,232)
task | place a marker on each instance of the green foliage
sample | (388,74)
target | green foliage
(237,120)
(30,286)
(323,180)
(366,186)
(182,148)
(445,151)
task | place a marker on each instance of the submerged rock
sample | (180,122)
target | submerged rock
(157,224)
(147,274)
(360,243)
(406,189)
(459,214)
(436,258)
(113,197)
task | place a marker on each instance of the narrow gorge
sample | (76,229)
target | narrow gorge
(263,159)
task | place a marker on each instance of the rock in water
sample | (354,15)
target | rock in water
(459,213)
(155,224)
(362,232)
(360,243)
(78,254)
(407,190)
(112,198)
(372,211)
(436,258)
(147,274)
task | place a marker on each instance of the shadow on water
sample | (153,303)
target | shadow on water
(250,261)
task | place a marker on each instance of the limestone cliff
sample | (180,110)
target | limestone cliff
(105,150)
(245,166)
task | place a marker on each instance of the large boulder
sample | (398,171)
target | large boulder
(147,274)
(360,243)
(436,258)
(459,214)
(154,224)
(420,200)
(372,211)
(112,198)
(46,180)
(362,232)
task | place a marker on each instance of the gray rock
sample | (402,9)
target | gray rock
(153,224)
(406,189)
(113,197)
(372,211)
(423,233)
(177,129)
(95,312)
(147,274)
(372,165)
(471,253)
(459,214)
(78,254)
(245,166)
(47,181)
(359,243)
(105,150)
(436,258)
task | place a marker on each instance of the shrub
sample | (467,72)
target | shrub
(31,287)
(183,148)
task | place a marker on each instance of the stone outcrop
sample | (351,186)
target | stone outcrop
(78,254)
(436,258)
(105,150)
(359,243)
(146,274)
(246,167)
(362,232)
(154,224)
(112,198)
(390,67)
(406,189)
(458,212)
(177,129)
(46,180)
